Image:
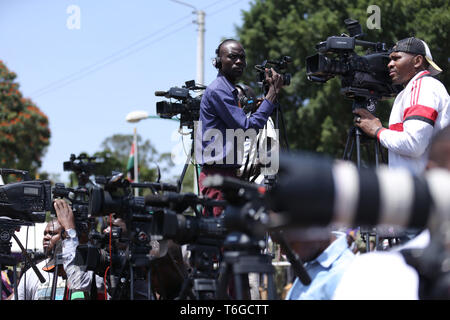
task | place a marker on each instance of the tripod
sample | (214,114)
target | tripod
(241,257)
(7,229)
(357,137)
(186,165)
(201,284)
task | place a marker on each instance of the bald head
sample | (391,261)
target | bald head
(231,60)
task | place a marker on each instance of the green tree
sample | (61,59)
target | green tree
(317,116)
(24,128)
(117,149)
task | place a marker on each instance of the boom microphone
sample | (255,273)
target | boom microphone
(162,94)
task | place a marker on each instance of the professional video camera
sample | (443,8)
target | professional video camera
(279,66)
(83,166)
(21,204)
(25,200)
(188,107)
(158,217)
(163,212)
(79,200)
(361,76)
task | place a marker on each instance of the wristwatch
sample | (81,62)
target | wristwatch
(70,234)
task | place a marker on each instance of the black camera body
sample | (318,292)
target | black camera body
(79,201)
(82,163)
(114,197)
(82,166)
(361,76)
(188,107)
(279,66)
(26,200)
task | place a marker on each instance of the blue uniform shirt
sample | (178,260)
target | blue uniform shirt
(325,272)
(219,111)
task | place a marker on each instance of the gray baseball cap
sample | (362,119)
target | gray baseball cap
(416,46)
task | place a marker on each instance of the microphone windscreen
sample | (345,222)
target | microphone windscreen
(160,93)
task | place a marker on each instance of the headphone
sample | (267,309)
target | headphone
(216,62)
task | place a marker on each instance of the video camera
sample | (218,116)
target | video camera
(163,213)
(361,76)
(79,199)
(25,200)
(188,107)
(279,66)
(83,166)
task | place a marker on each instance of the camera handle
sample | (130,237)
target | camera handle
(355,136)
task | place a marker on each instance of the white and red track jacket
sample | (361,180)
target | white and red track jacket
(420,110)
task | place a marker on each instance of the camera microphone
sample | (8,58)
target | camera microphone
(161,93)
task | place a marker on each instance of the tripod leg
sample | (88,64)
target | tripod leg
(377,150)
(54,282)
(284,128)
(349,145)
(223,281)
(242,287)
(358,147)
(271,289)
(183,173)
(15,284)
(131,283)
(368,242)
(149,284)
(383,160)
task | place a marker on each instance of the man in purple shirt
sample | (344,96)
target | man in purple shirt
(220,130)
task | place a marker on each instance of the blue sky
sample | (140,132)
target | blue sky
(87,80)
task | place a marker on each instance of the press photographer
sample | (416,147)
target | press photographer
(83,283)
(219,111)
(30,287)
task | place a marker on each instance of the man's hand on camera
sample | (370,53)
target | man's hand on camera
(275,81)
(64,214)
(367,122)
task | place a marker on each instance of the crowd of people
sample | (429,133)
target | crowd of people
(417,139)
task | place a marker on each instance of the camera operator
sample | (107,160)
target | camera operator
(30,288)
(219,111)
(420,110)
(79,280)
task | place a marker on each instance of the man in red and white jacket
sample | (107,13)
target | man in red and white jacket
(420,110)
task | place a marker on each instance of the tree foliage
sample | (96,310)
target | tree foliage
(114,154)
(24,128)
(150,161)
(317,116)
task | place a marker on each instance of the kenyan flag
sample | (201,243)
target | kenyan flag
(130,164)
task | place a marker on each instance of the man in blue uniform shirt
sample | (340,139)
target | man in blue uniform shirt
(326,260)
(220,117)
